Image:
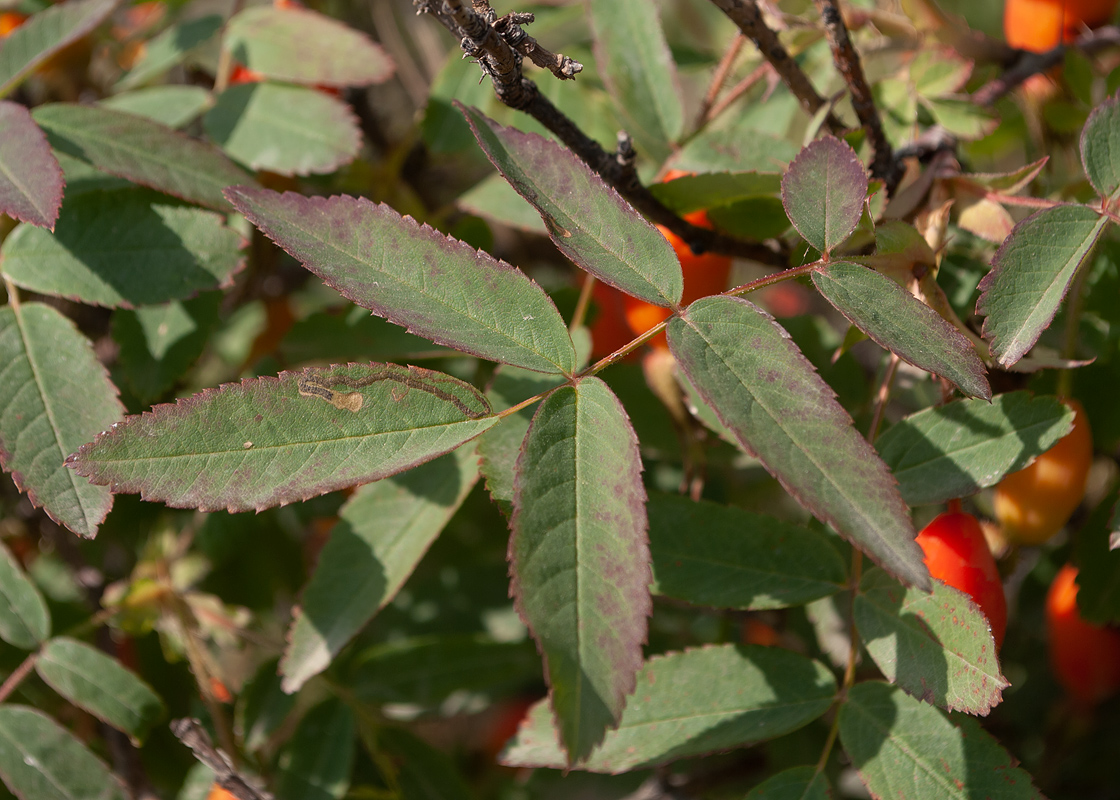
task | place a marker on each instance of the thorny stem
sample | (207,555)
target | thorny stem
(844,55)
(484,37)
(747,16)
(12,682)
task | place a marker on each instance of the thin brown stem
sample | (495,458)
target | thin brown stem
(582,304)
(1029,63)
(719,77)
(883,397)
(13,293)
(12,682)
(748,17)
(741,88)
(844,55)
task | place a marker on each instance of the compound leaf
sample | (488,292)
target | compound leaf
(45,34)
(901,323)
(40,759)
(780,410)
(289,130)
(1031,273)
(903,747)
(54,395)
(823,192)
(142,151)
(957,449)
(937,647)
(579,557)
(263,38)
(98,683)
(385,529)
(192,247)
(270,441)
(30,176)
(743,560)
(691,703)
(412,275)
(587,219)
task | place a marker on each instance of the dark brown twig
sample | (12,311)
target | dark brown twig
(191,733)
(746,15)
(1028,63)
(480,39)
(844,55)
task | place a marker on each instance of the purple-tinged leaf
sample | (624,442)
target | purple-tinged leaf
(579,557)
(823,192)
(767,393)
(54,395)
(412,275)
(265,39)
(637,68)
(1100,148)
(937,647)
(903,747)
(141,151)
(41,760)
(385,529)
(30,177)
(289,130)
(1031,273)
(192,247)
(901,323)
(45,34)
(692,703)
(587,219)
(271,441)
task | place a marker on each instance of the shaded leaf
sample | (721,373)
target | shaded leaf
(169,48)
(937,647)
(905,748)
(25,621)
(158,343)
(694,192)
(768,394)
(290,130)
(54,395)
(742,560)
(823,192)
(385,529)
(192,247)
(425,671)
(637,68)
(1100,148)
(30,177)
(901,323)
(587,219)
(724,149)
(352,333)
(41,760)
(424,773)
(691,703)
(141,151)
(957,449)
(99,684)
(499,447)
(173,106)
(414,276)
(45,34)
(799,783)
(579,557)
(1098,564)
(495,200)
(262,706)
(270,441)
(1030,275)
(315,764)
(263,38)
